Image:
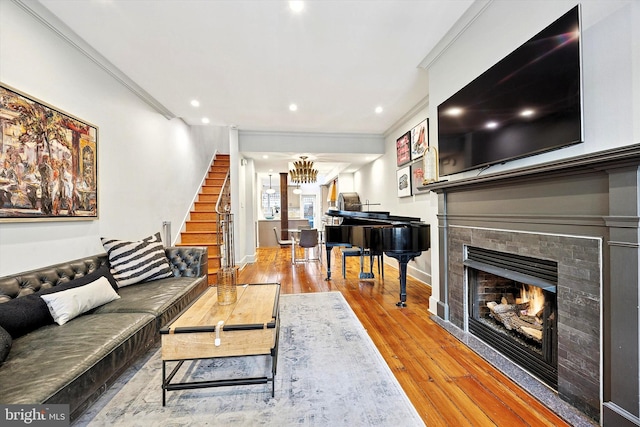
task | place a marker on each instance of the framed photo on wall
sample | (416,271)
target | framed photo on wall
(48,162)
(403,149)
(403,181)
(419,139)
(417,177)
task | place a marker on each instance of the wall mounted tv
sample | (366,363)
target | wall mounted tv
(528,103)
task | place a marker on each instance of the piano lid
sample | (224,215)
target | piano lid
(373,216)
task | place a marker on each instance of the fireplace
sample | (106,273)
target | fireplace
(512,307)
(583,214)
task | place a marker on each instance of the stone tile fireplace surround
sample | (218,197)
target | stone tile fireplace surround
(583,214)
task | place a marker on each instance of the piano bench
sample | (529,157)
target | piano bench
(354,251)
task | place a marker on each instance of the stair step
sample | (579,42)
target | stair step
(205,197)
(214,181)
(213,250)
(212,278)
(201,225)
(210,189)
(198,238)
(203,216)
(205,206)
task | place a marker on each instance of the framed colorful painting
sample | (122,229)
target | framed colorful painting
(403,149)
(48,162)
(419,139)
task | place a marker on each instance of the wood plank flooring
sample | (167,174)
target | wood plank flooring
(447,383)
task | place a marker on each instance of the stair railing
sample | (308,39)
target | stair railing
(225,225)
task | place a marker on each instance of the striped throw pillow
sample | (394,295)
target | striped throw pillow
(137,261)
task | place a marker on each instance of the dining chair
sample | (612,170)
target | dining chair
(308,239)
(279,240)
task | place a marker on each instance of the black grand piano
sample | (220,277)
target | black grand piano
(399,237)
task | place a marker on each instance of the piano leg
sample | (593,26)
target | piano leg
(328,248)
(403,259)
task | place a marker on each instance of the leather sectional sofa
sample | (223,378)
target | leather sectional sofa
(76,362)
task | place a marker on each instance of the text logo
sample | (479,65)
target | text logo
(34,415)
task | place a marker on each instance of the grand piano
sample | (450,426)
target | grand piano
(399,237)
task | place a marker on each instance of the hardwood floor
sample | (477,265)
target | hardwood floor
(447,383)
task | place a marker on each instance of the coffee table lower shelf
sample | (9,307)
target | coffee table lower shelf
(167,385)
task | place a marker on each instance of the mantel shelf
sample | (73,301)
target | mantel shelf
(613,158)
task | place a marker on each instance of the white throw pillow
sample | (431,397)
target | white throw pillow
(66,305)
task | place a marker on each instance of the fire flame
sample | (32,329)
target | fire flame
(534,296)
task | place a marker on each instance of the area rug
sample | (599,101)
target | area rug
(329,373)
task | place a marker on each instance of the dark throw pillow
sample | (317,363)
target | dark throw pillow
(5,345)
(23,315)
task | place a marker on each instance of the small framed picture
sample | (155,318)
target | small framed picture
(403,149)
(419,139)
(417,177)
(403,182)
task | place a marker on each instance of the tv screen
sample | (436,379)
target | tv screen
(528,103)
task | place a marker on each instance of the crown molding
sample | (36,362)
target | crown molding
(422,104)
(52,22)
(461,25)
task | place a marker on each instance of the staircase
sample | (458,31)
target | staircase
(201,228)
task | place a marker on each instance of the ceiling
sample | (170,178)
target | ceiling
(247,61)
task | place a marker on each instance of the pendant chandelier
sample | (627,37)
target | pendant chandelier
(303,172)
(270,190)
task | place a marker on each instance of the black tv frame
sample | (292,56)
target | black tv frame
(535,74)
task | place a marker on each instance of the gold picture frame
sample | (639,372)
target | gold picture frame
(48,162)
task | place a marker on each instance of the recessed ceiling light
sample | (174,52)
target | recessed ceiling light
(378,110)
(293,107)
(205,120)
(195,103)
(296,6)
(527,113)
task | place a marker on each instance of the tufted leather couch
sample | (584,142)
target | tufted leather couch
(75,363)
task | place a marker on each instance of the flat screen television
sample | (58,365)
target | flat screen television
(528,103)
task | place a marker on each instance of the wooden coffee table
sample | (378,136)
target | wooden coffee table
(251,327)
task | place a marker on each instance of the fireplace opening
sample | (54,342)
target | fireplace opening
(512,307)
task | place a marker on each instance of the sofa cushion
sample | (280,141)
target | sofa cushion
(68,364)
(5,344)
(23,315)
(71,303)
(137,261)
(163,298)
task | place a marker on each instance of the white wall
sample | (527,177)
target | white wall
(149,168)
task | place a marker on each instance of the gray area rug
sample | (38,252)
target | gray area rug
(329,373)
